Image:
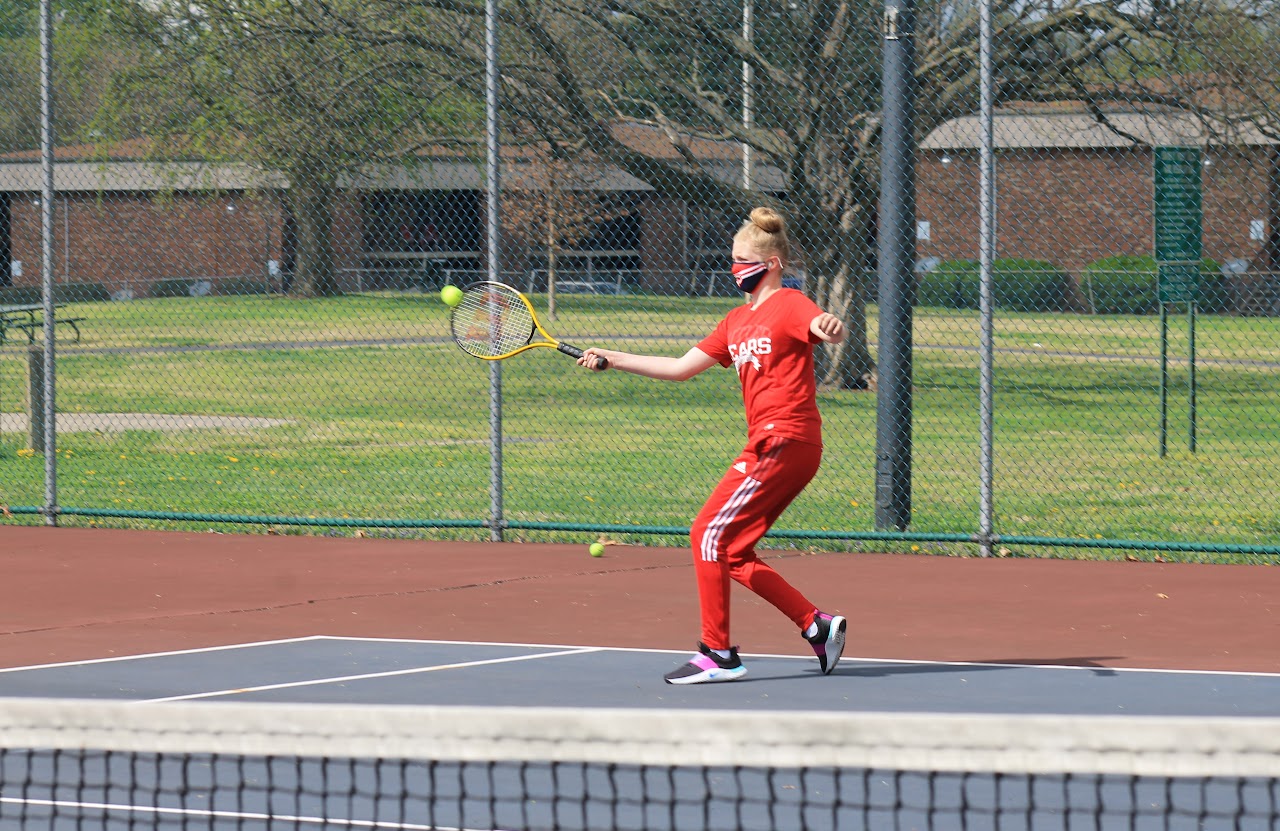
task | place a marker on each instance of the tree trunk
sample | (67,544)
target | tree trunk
(847,365)
(315,274)
(838,256)
(551,265)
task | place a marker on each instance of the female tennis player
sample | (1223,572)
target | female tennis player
(769,342)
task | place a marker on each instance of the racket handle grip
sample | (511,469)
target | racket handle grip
(575,352)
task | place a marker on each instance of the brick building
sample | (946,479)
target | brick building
(1071,191)
(128,225)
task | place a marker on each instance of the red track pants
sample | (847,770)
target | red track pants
(757,488)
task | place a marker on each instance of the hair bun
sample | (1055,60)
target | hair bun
(767,220)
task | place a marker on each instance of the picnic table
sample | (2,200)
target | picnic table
(28,317)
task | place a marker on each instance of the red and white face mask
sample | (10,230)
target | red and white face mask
(749,275)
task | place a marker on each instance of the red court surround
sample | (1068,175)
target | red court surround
(74,593)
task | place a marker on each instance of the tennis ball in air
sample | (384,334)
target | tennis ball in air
(596,549)
(451,295)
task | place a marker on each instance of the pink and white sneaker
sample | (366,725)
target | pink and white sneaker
(828,641)
(707,666)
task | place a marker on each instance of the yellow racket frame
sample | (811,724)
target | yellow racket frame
(504,289)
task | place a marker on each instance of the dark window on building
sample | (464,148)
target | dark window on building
(420,222)
(1271,253)
(6,245)
(710,238)
(619,230)
(289,250)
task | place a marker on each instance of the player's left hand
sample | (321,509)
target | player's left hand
(828,327)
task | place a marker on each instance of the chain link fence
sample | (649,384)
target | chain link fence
(254,206)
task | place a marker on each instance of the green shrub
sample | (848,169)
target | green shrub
(1119,285)
(948,286)
(1019,285)
(1127,285)
(62,293)
(1216,296)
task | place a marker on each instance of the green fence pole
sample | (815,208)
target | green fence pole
(1191,365)
(1164,379)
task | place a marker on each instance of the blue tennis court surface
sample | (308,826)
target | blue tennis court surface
(383,671)
(140,742)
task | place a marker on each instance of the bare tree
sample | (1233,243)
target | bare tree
(551,202)
(639,83)
(647,85)
(287,89)
(86,54)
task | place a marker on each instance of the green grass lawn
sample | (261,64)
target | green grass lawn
(388,419)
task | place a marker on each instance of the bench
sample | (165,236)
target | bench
(73,322)
(24,318)
(32,328)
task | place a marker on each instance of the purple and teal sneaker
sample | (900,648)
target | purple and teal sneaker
(828,641)
(707,666)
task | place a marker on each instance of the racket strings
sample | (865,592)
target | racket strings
(490,322)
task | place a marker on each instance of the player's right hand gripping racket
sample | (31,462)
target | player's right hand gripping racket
(494,321)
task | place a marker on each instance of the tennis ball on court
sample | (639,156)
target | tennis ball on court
(596,549)
(451,295)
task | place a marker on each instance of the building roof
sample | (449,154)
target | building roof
(130,176)
(72,177)
(1077,130)
(125,167)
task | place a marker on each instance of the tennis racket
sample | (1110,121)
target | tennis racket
(494,321)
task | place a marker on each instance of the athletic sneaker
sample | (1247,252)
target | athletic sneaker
(707,666)
(828,641)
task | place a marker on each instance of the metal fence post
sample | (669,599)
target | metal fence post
(494,250)
(987,251)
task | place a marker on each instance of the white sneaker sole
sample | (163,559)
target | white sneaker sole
(710,676)
(835,642)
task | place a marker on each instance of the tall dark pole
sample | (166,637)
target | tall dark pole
(48,400)
(896,261)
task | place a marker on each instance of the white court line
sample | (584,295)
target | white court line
(846,658)
(390,674)
(578,648)
(195,651)
(236,815)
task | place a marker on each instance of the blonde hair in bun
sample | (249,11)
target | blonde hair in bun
(766,233)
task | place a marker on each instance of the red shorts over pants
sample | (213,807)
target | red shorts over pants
(757,488)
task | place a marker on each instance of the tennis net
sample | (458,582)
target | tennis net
(115,765)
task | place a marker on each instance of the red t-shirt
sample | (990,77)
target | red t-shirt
(772,349)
